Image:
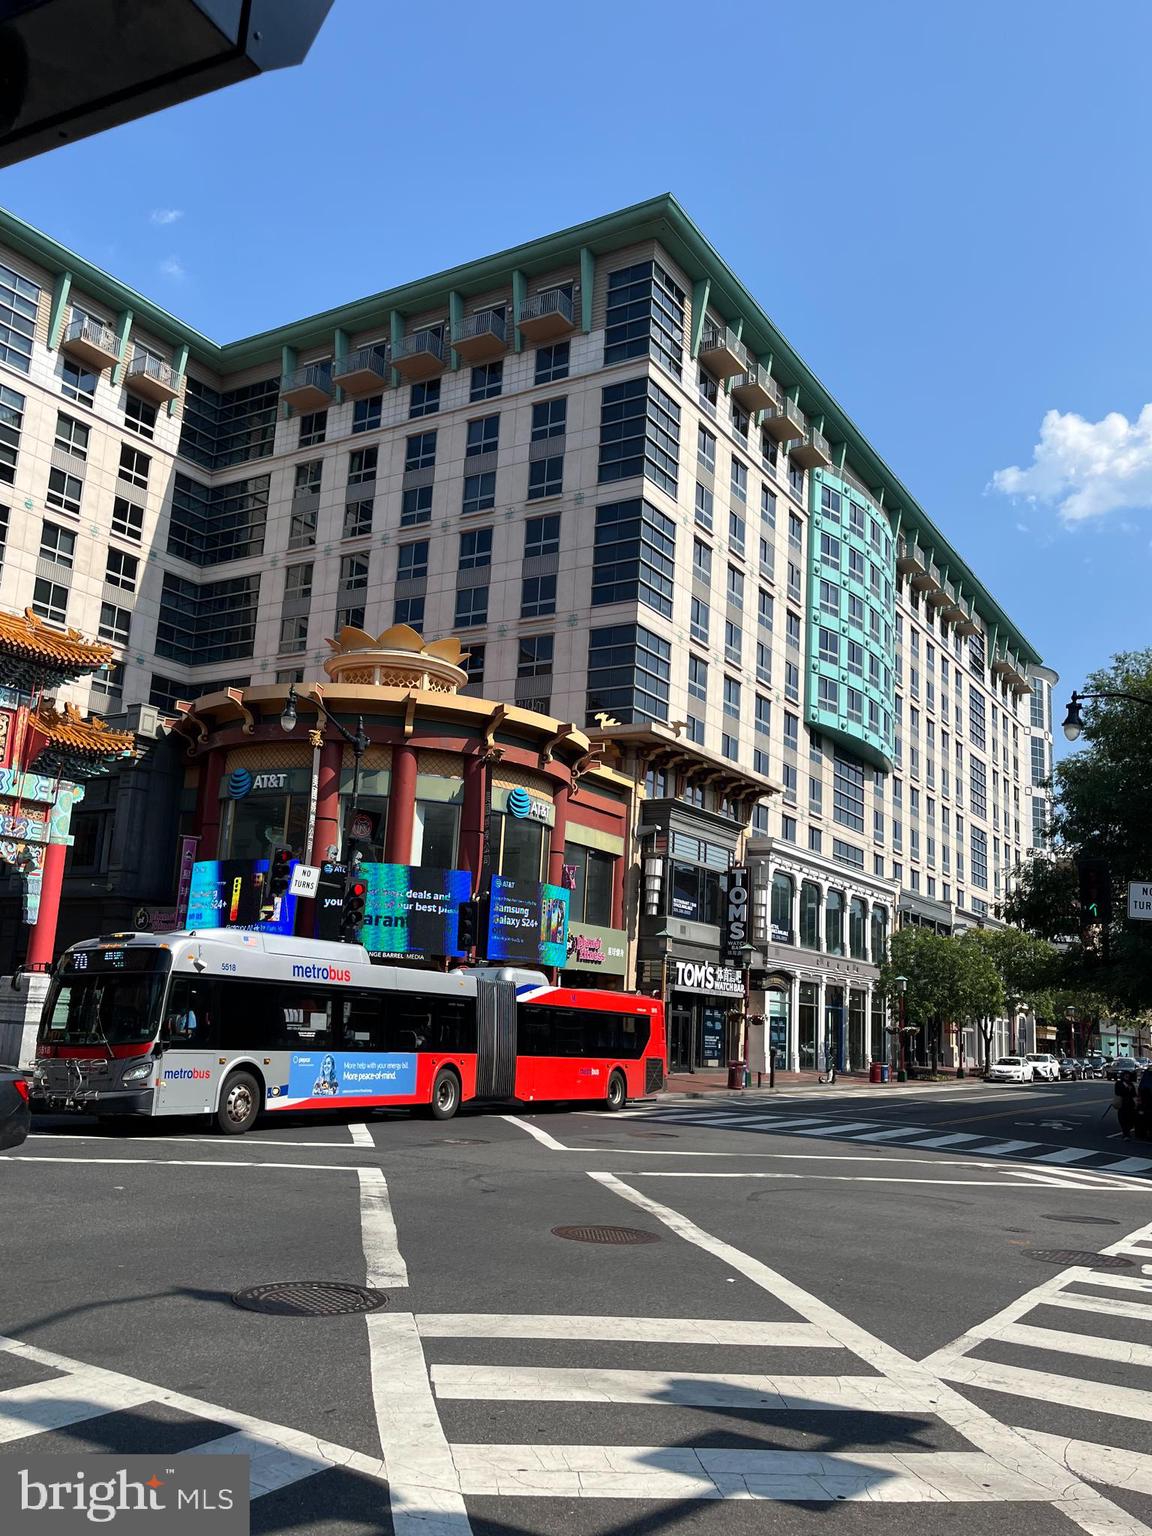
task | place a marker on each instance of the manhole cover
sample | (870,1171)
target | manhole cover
(654,1135)
(463,1141)
(1076,1256)
(310,1298)
(1085,1221)
(618,1236)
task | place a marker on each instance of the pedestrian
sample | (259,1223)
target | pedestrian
(1125,1103)
(1144,1105)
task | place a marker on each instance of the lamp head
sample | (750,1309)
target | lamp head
(901,983)
(1073,724)
(288,713)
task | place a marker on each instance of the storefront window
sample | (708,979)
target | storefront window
(834,923)
(858,929)
(857,1022)
(806,1039)
(778,1026)
(260,822)
(369,826)
(589,875)
(695,894)
(809,915)
(879,1039)
(521,847)
(879,935)
(434,835)
(782,893)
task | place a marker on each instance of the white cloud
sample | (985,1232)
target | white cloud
(172,267)
(166,215)
(1086,469)
(1021,527)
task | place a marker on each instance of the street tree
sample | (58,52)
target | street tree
(1008,970)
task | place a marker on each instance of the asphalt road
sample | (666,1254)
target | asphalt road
(932,1299)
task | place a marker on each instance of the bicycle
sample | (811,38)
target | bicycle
(829,1073)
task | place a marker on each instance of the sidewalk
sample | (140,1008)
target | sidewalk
(712,1085)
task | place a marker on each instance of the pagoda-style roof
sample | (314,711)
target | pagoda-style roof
(64,743)
(34,656)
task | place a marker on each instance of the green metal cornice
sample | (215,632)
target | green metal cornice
(61,288)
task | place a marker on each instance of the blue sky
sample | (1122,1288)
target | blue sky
(944,208)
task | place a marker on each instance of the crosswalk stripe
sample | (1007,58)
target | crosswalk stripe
(1047,1387)
(834,1126)
(556,1384)
(1112,1281)
(1141,1310)
(272,1466)
(686,1472)
(1090,1345)
(949,1141)
(904,1130)
(1101,1463)
(1130,1165)
(1007,1148)
(1065,1155)
(640,1330)
(30,1410)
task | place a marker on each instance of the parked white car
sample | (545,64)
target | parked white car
(1044,1065)
(1011,1069)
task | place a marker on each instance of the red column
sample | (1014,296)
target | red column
(211,772)
(472,820)
(559,833)
(42,939)
(619,873)
(401,807)
(328,800)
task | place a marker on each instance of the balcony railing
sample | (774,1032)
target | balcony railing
(813,450)
(362,372)
(419,356)
(721,353)
(546,315)
(482,337)
(309,388)
(786,422)
(92,342)
(152,377)
(756,390)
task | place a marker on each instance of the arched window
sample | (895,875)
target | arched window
(834,923)
(858,928)
(809,915)
(879,935)
(782,892)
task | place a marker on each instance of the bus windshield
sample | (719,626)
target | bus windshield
(110,1010)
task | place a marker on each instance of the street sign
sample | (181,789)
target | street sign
(305,880)
(1140,901)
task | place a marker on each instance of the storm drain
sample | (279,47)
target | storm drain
(620,1237)
(654,1135)
(310,1298)
(1085,1221)
(1075,1256)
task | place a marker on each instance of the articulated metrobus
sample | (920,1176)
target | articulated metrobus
(230,1024)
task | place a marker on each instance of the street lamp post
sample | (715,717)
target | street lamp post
(359,743)
(1073,724)
(902,1069)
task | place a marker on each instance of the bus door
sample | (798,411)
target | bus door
(188,1036)
(496,1039)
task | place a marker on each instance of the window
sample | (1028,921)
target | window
(978,786)
(367,413)
(809,911)
(416,506)
(420,450)
(828,694)
(536,655)
(64,491)
(794,591)
(412,560)
(19,300)
(483,436)
(695,734)
(634,556)
(705,448)
(127,520)
(732,697)
(50,600)
(231,426)
(298,582)
(71,436)
(765,609)
(537,597)
(845,853)
(78,383)
(704,501)
(57,545)
(313,428)
(702,561)
(475,549)
(353,573)
(639,433)
(793,630)
(796,478)
(479,492)
(829,646)
(590,876)
(735,587)
(362,466)
(487,381)
(979,875)
(1039,752)
(542,535)
(733,642)
(698,677)
(350,618)
(293,635)
(473,664)
(424,398)
(358,517)
(739,483)
(788,828)
(134,466)
(729,745)
(549,419)
(707,390)
(629,674)
(848,793)
(307,480)
(976,718)
(700,619)
(409,610)
(739,421)
(815,796)
(736,533)
(791,731)
(545,477)
(830,551)
(302,528)
(121,570)
(552,362)
(767,558)
(644,316)
(768,506)
(472,606)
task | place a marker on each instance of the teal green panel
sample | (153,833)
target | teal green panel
(179,369)
(455,321)
(396,331)
(519,294)
(700,292)
(123,331)
(60,291)
(287,366)
(339,353)
(587,287)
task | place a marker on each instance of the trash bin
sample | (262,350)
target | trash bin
(885,1073)
(736,1070)
(874,1075)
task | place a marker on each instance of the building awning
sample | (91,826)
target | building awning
(63,742)
(34,656)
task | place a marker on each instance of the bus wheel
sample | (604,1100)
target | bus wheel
(617,1091)
(239,1104)
(445,1095)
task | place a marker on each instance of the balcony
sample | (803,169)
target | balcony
(966,624)
(363,372)
(90,343)
(721,353)
(935,588)
(951,608)
(812,451)
(786,422)
(419,356)
(309,388)
(153,378)
(756,390)
(1009,669)
(911,560)
(547,316)
(482,337)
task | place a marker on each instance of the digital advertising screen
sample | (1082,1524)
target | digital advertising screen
(229,893)
(527,922)
(410,913)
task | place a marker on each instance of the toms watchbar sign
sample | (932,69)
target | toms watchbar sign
(698,976)
(736,912)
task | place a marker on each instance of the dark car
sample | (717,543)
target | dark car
(1071,1067)
(15,1116)
(1094,1066)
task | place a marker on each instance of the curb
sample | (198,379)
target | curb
(767,1095)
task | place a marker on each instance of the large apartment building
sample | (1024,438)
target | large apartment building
(596,460)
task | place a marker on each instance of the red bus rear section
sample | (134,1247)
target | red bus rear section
(571,1044)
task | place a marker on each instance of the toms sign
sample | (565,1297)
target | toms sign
(736,914)
(697,976)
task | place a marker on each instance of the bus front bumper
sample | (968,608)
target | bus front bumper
(47,1102)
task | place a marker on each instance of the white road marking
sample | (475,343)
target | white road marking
(361,1135)
(240,1143)
(1102,1463)
(1131,1165)
(386,1269)
(1006,1148)
(839,1128)
(560,1384)
(1089,1345)
(904,1130)
(1048,1291)
(1082,1503)
(1141,1310)
(272,1466)
(534,1130)
(949,1141)
(1065,1155)
(1118,1188)
(178,1162)
(683,1472)
(30,1410)
(1048,1387)
(643,1330)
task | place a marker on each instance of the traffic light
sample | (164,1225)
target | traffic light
(280,873)
(1095,891)
(468,926)
(352,911)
